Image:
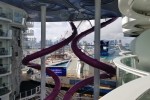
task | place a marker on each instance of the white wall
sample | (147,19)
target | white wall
(142,50)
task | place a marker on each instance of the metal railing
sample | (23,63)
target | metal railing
(28,94)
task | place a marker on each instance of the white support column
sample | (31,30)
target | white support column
(118,77)
(97,47)
(43,38)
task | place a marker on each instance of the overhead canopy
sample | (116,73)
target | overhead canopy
(66,10)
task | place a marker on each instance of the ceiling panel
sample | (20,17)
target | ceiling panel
(66,10)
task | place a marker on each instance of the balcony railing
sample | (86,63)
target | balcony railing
(5,33)
(29,32)
(4,51)
(30,24)
(4,69)
(126,69)
(4,90)
(6,15)
(28,94)
(3,84)
(135,89)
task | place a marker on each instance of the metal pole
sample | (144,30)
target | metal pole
(97,48)
(43,38)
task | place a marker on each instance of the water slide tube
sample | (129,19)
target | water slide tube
(28,58)
(109,71)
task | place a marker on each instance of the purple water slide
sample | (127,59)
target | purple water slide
(109,70)
(28,58)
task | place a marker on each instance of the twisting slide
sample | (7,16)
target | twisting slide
(109,71)
(28,58)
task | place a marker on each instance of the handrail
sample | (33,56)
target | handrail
(124,52)
(129,91)
(126,68)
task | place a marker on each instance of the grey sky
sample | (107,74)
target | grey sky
(56,30)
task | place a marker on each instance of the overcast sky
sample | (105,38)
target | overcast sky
(56,30)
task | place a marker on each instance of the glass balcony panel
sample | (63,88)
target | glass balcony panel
(145,96)
(5,33)
(18,17)
(127,61)
(3,84)
(4,90)
(5,51)
(4,69)
(6,13)
(124,76)
(128,77)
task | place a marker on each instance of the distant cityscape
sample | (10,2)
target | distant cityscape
(32,43)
